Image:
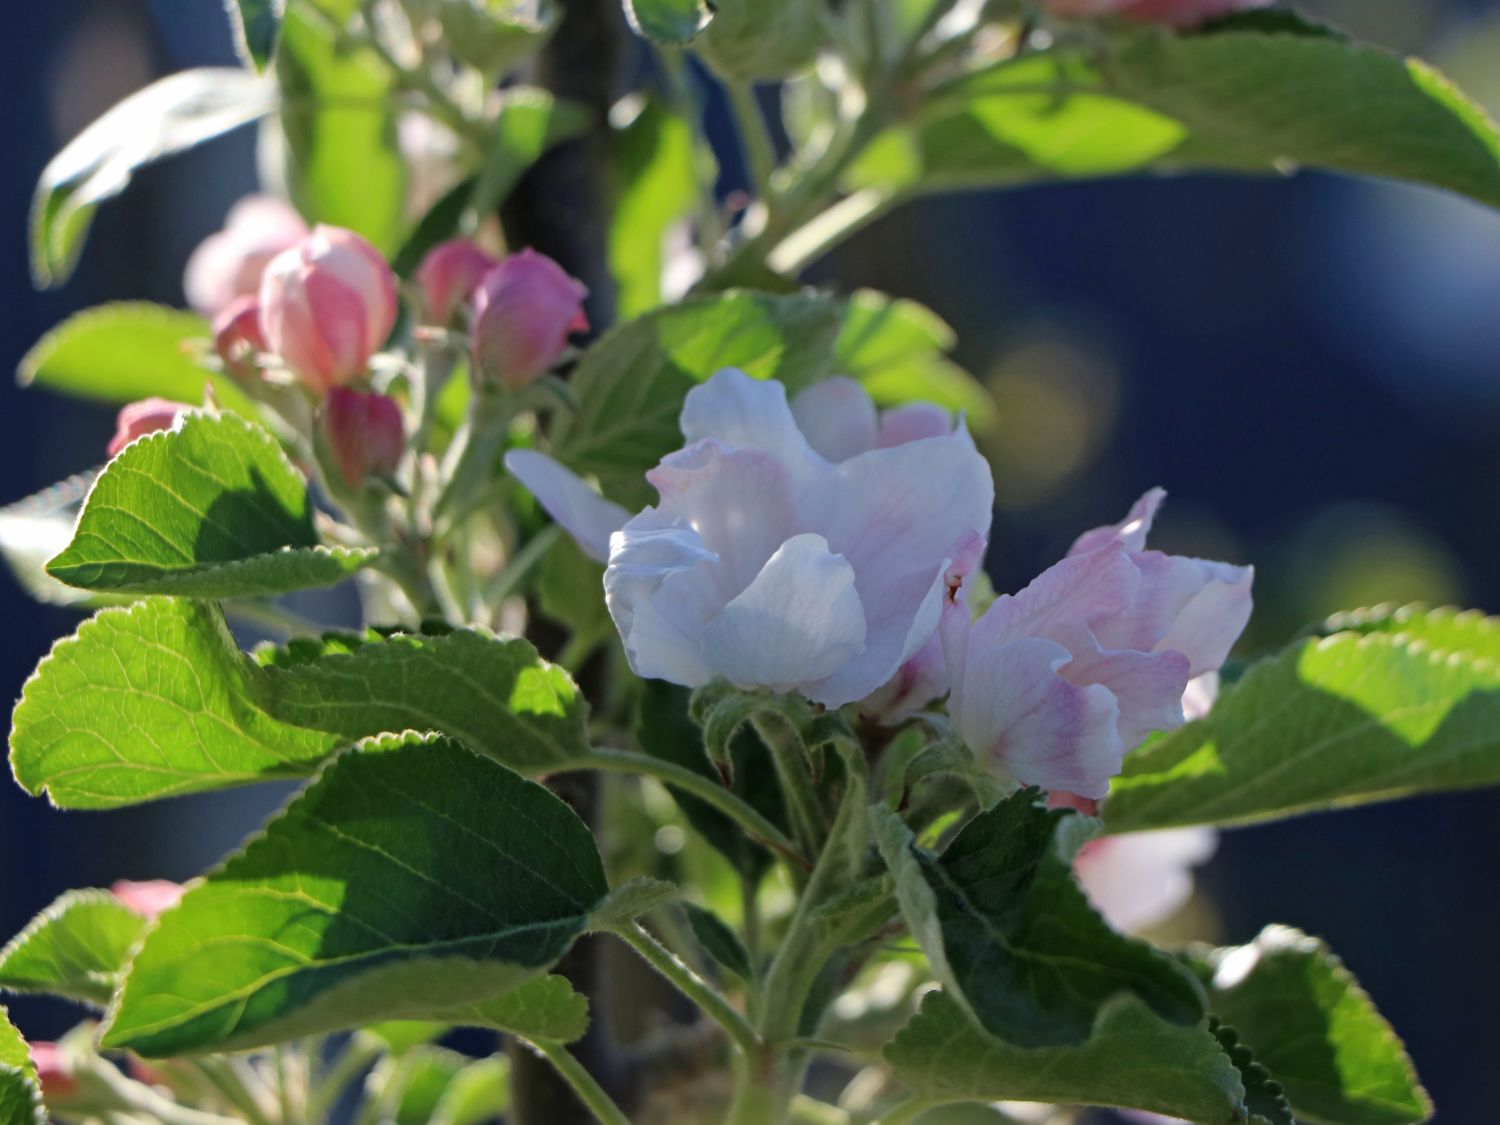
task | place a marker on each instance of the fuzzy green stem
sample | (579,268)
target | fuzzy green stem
(347,1065)
(755,136)
(600,1104)
(234,1086)
(691,985)
(809,822)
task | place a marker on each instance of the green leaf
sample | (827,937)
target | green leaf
(168,116)
(754,39)
(76,948)
(1328,723)
(157,700)
(898,350)
(478,1093)
(1264,1098)
(657,170)
(672,22)
(631,900)
(530,122)
(20,1093)
(338,114)
(631,384)
(495,36)
(412,877)
(1259,94)
(1466,633)
(1317,1030)
(719,941)
(35,529)
(210,509)
(544,1008)
(128,351)
(257,25)
(1133,1060)
(1010,934)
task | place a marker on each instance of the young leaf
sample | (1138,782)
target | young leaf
(209,509)
(168,116)
(719,941)
(632,383)
(672,22)
(1328,723)
(20,1093)
(257,25)
(338,114)
(630,900)
(128,351)
(1010,934)
(411,878)
(1133,1060)
(157,700)
(76,948)
(35,529)
(1317,1030)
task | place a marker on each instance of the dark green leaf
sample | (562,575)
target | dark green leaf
(1010,934)
(129,351)
(673,22)
(257,24)
(719,941)
(1133,1060)
(1317,1030)
(209,509)
(20,1093)
(657,172)
(1264,1098)
(338,113)
(411,878)
(1343,720)
(157,700)
(75,948)
(631,384)
(168,116)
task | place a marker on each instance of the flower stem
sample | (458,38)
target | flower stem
(600,1104)
(809,821)
(755,136)
(691,985)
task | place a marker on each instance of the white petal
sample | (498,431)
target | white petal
(913,422)
(800,620)
(1079,590)
(643,555)
(837,417)
(1198,699)
(1140,879)
(1147,685)
(1207,627)
(1131,531)
(583,513)
(739,411)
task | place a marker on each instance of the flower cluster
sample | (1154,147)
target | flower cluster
(819,547)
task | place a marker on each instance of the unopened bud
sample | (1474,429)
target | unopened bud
(238,338)
(141,418)
(364,434)
(326,306)
(449,274)
(229,263)
(150,898)
(524,310)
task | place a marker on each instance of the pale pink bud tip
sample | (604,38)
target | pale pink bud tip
(229,263)
(141,418)
(1172,13)
(524,310)
(237,336)
(149,899)
(364,433)
(326,306)
(52,1071)
(449,274)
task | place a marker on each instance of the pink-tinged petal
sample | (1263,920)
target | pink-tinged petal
(664,635)
(53,1073)
(1211,622)
(1147,685)
(1141,879)
(1198,700)
(737,411)
(920,681)
(1018,710)
(228,264)
(585,515)
(149,899)
(739,501)
(642,556)
(148,416)
(1131,531)
(799,621)
(1088,806)
(1078,590)
(524,310)
(837,417)
(913,422)
(449,274)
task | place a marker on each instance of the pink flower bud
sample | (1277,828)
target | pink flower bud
(229,263)
(148,899)
(52,1071)
(1173,13)
(449,274)
(364,432)
(144,417)
(524,310)
(237,336)
(326,306)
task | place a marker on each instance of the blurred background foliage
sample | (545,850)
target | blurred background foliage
(1311,367)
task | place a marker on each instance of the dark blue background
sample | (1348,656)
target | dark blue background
(1311,367)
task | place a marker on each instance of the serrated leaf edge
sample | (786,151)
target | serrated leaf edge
(52,913)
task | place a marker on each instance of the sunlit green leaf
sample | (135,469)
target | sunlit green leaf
(75,948)
(673,22)
(20,1094)
(657,176)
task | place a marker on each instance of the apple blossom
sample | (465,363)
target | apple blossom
(364,432)
(769,565)
(238,338)
(839,420)
(229,263)
(53,1072)
(1056,683)
(1140,879)
(524,310)
(144,417)
(149,898)
(326,306)
(1174,13)
(449,274)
